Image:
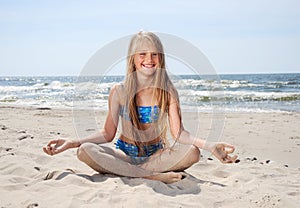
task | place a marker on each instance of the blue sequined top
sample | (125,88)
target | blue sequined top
(147,114)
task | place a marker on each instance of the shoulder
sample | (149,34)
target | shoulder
(116,91)
(117,88)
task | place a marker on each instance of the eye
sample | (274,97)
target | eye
(154,54)
(142,54)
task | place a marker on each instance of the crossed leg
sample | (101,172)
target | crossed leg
(160,166)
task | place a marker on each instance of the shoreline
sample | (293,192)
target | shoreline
(267,175)
(253,124)
(185,109)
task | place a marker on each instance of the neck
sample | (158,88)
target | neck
(144,82)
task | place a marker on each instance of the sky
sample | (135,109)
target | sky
(54,38)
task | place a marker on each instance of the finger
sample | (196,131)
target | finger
(52,142)
(230,147)
(234,158)
(220,153)
(229,151)
(221,158)
(225,159)
(59,143)
(47,151)
(55,150)
(59,150)
(231,159)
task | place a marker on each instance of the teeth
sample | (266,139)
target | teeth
(148,65)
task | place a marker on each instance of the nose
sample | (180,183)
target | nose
(148,57)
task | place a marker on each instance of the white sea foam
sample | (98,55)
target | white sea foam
(235,93)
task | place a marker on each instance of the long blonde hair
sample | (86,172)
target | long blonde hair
(162,84)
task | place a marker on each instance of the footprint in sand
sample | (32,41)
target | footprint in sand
(32,205)
(24,135)
(51,175)
(5,149)
(221,174)
(251,159)
(3,127)
(294,193)
(294,137)
(58,174)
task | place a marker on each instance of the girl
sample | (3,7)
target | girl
(146,103)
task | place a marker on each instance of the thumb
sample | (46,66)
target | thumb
(229,148)
(60,149)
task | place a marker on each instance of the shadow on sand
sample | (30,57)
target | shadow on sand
(188,185)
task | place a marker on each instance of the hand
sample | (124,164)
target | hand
(222,151)
(58,146)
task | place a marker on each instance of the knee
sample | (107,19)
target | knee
(83,151)
(194,154)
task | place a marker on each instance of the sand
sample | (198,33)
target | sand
(268,174)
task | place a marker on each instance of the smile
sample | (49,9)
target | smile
(148,65)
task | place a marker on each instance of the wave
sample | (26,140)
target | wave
(235,85)
(238,96)
(241,92)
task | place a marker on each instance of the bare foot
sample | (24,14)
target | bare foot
(168,177)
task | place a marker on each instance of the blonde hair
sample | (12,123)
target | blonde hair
(162,84)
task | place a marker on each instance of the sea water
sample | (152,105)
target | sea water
(231,93)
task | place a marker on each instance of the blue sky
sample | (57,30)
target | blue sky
(58,37)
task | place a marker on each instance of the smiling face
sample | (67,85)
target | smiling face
(146,59)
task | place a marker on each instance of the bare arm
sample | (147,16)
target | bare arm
(219,150)
(105,135)
(177,130)
(108,133)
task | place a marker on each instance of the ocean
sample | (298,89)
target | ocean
(231,93)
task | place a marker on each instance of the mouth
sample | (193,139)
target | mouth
(148,66)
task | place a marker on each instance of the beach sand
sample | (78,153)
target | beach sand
(268,174)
